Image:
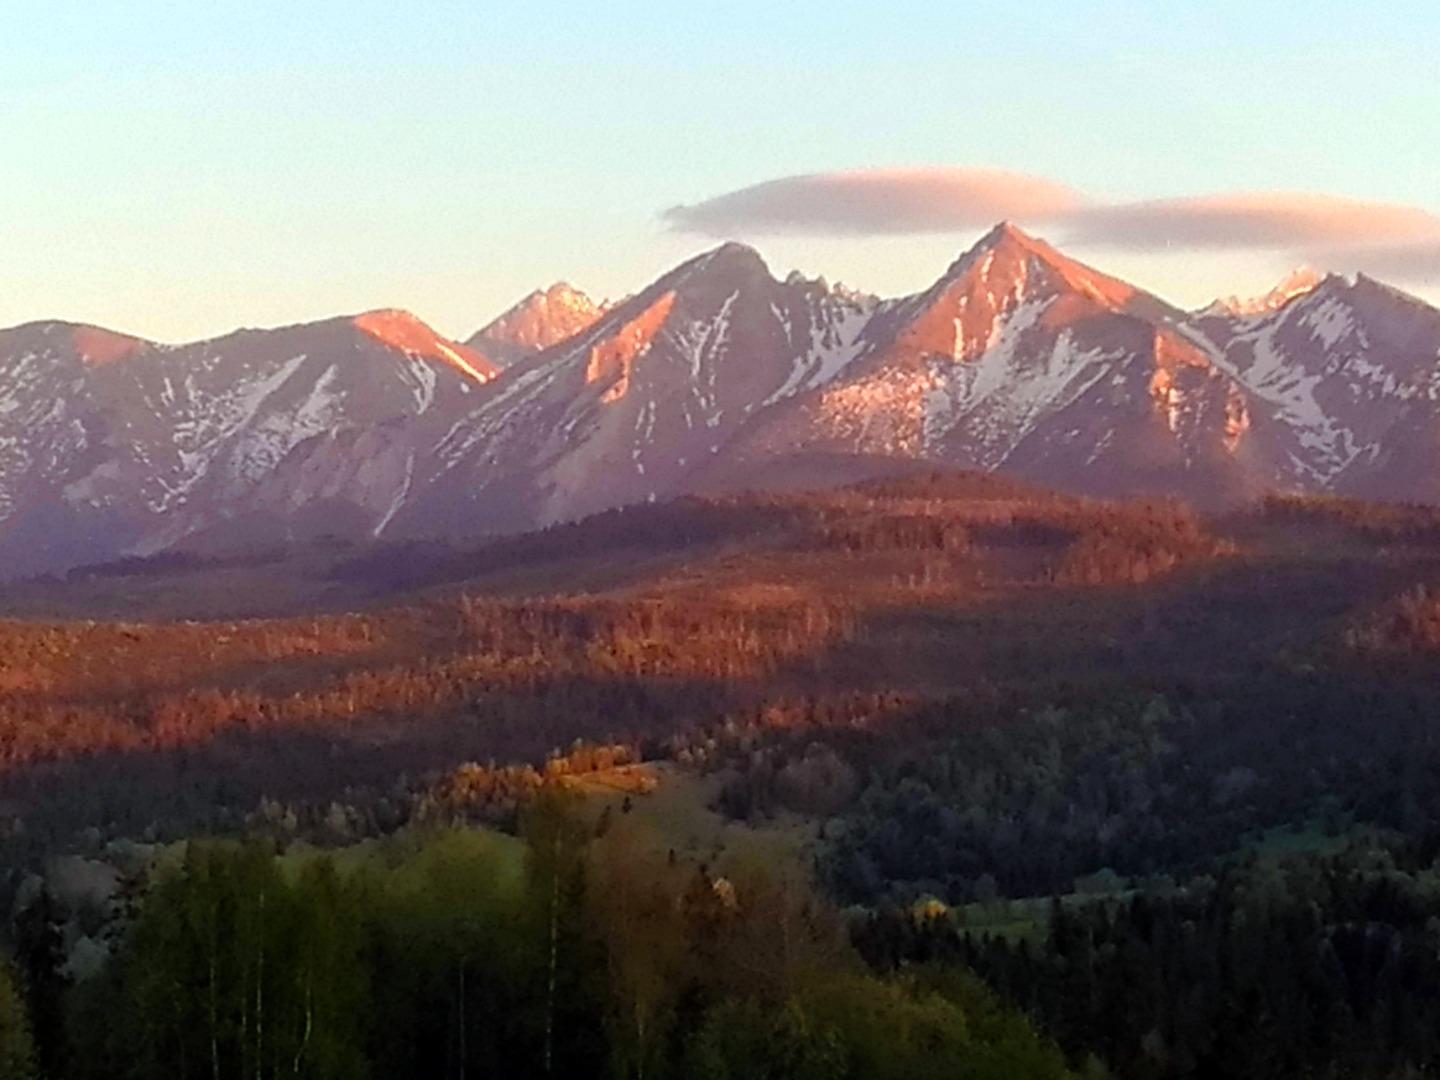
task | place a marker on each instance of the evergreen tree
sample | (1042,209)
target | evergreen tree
(18,1057)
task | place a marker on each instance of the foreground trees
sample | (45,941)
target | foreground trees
(473,954)
(19,1059)
(234,969)
(1311,964)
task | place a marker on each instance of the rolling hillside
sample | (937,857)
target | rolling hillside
(663,621)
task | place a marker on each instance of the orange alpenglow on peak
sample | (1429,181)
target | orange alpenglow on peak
(543,319)
(1009,251)
(404,332)
(1298,282)
(98,346)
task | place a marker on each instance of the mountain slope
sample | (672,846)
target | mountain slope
(717,376)
(159,445)
(53,433)
(1345,376)
(634,408)
(1023,360)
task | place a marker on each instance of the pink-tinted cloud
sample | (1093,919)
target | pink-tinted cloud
(878,202)
(1262,220)
(900,201)
(1399,243)
(1416,264)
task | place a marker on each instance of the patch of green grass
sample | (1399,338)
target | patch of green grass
(1309,839)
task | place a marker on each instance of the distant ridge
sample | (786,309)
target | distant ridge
(1018,360)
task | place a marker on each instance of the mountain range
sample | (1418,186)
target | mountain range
(717,376)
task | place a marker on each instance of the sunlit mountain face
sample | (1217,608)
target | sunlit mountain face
(542,320)
(719,375)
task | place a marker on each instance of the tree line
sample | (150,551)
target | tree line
(1307,965)
(583,950)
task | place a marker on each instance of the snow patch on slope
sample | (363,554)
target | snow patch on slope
(1001,397)
(835,342)
(1290,391)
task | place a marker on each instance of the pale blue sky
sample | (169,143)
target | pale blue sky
(178,168)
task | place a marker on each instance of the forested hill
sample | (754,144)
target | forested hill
(662,622)
(1065,746)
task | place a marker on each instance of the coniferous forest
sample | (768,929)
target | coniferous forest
(936,777)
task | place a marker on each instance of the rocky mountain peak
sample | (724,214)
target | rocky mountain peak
(1008,261)
(1298,282)
(93,345)
(542,320)
(731,264)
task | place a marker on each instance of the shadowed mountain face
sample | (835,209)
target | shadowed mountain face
(717,376)
(114,446)
(1344,380)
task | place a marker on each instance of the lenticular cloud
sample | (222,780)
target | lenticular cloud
(1262,220)
(877,203)
(1415,262)
(891,202)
